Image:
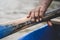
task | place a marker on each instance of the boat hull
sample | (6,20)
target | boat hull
(45,33)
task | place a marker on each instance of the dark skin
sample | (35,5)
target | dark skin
(37,13)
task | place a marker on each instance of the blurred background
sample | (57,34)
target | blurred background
(16,9)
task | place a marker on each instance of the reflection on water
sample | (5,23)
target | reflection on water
(15,9)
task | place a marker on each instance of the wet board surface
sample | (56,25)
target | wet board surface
(24,20)
(19,34)
(16,26)
(56,19)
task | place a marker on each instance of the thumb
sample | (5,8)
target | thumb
(49,23)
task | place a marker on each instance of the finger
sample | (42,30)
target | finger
(41,14)
(37,15)
(32,15)
(29,14)
(49,23)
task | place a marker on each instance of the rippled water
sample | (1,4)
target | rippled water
(15,9)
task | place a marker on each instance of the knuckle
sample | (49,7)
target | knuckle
(40,14)
(41,10)
(36,14)
(32,16)
(36,10)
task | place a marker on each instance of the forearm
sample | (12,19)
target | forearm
(46,3)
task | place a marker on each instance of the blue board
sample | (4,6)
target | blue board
(5,30)
(45,33)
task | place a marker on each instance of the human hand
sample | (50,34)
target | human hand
(37,14)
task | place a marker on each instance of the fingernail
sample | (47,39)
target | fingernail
(32,19)
(37,20)
(40,19)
